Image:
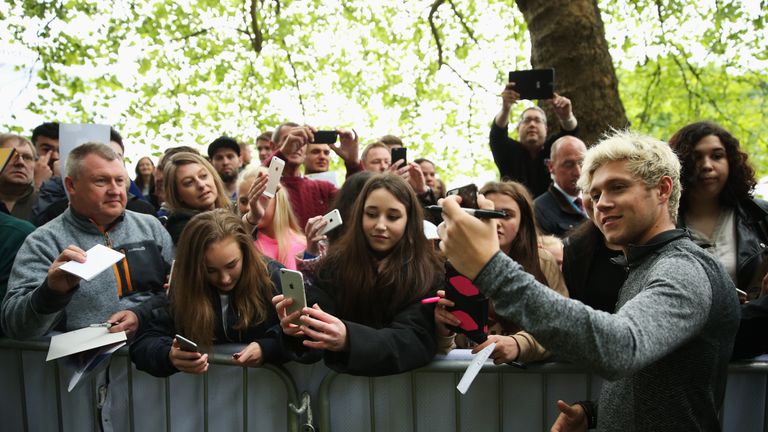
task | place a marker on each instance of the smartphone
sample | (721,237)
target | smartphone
(334,221)
(326,137)
(470,306)
(534,83)
(293,287)
(7,156)
(399,153)
(170,276)
(468,195)
(275,171)
(186,344)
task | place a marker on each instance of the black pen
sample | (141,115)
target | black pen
(478,213)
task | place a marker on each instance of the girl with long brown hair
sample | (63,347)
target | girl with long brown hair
(219,293)
(518,238)
(367,318)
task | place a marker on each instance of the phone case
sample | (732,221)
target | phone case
(470,306)
(534,83)
(275,171)
(334,221)
(293,287)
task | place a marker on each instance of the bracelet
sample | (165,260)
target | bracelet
(245,218)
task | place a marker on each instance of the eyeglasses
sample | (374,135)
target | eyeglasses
(27,158)
(535,120)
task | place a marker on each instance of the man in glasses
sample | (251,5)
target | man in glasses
(524,161)
(17,189)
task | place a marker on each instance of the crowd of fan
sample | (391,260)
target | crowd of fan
(365,279)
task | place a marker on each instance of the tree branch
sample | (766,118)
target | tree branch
(257,40)
(463,22)
(435,31)
(191,35)
(295,78)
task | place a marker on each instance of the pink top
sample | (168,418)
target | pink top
(268,246)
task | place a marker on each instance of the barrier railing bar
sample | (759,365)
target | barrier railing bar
(23,390)
(205,402)
(131,413)
(371,404)
(167,404)
(245,399)
(544,397)
(325,408)
(765,410)
(95,407)
(59,415)
(414,411)
(500,398)
(457,397)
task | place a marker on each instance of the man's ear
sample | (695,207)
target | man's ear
(550,166)
(69,184)
(665,188)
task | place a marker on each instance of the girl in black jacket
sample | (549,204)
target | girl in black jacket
(220,292)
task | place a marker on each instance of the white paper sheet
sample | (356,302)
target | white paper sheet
(82,340)
(98,259)
(474,368)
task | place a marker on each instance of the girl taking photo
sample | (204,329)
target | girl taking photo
(366,316)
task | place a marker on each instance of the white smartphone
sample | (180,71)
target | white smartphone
(170,277)
(186,344)
(275,171)
(334,221)
(293,287)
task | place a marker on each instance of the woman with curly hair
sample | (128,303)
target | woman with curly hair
(717,205)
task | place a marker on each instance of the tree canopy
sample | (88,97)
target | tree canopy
(183,72)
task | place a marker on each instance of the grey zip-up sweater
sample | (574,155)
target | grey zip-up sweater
(665,351)
(31,309)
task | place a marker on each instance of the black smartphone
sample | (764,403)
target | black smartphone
(186,344)
(326,137)
(534,83)
(399,153)
(468,195)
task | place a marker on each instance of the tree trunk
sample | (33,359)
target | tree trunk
(568,35)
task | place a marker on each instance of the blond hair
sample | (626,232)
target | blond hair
(648,159)
(172,201)
(284,222)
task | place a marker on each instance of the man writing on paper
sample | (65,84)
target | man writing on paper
(665,350)
(42,297)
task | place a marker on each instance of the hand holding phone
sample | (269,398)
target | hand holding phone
(334,220)
(534,83)
(186,344)
(468,195)
(275,171)
(292,283)
(399,153)
(325,137)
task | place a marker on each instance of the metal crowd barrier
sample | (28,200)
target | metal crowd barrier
(502,398)
(33,397)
